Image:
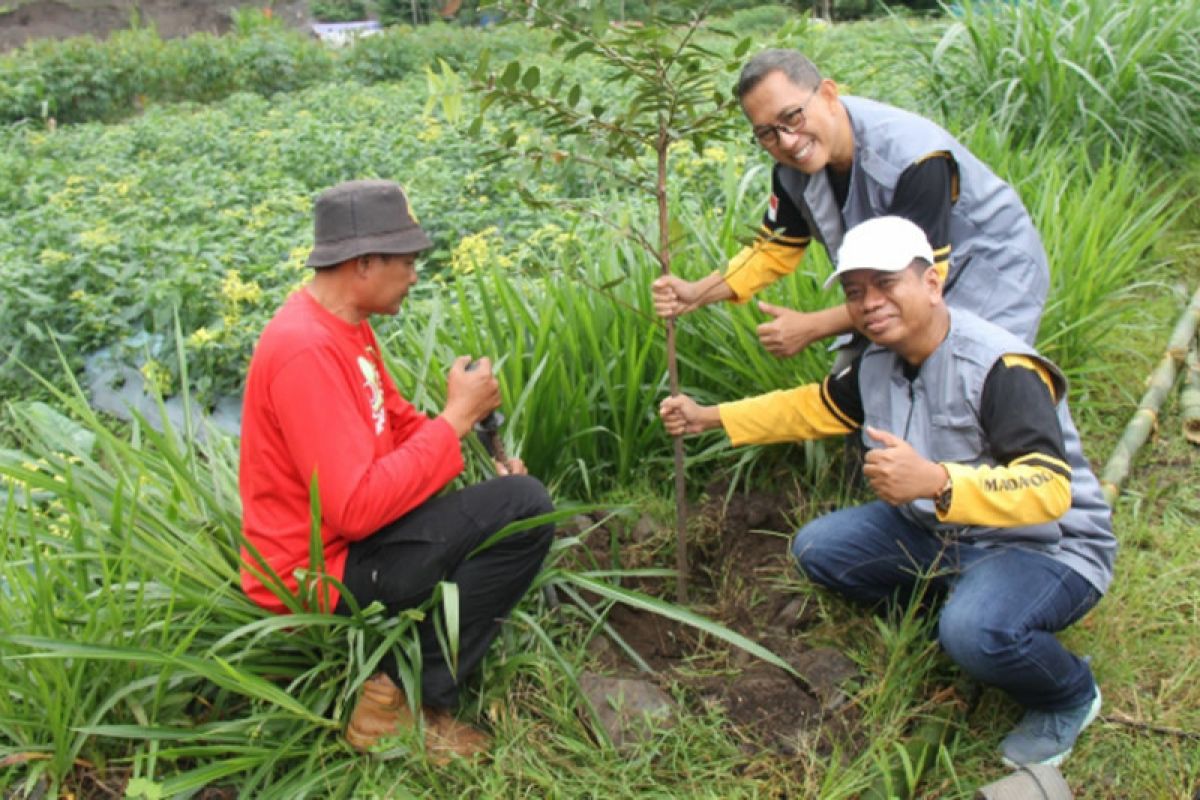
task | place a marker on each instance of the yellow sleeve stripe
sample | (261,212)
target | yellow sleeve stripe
(1044,461)
(941,262)
(838,414)
(935,154)
(768,235)
(1015,360)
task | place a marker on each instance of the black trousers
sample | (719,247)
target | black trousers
(400,564)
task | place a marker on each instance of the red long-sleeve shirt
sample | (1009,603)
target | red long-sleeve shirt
(319,403)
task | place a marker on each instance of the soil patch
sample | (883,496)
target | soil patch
(61,19)
(739,555)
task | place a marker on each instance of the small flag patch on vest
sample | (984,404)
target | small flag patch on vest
(772,207)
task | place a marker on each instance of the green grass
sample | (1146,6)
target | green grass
(1109,76)
(127,647)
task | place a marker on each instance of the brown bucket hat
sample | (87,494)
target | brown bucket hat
(358,218)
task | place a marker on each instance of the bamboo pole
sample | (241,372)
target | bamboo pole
(1189,403)
(1145,419)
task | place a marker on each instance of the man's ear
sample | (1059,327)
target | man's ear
(933,282)
(361,265)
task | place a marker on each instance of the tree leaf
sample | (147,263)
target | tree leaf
(532,76)
(510,75)
(578,50)
(481,68)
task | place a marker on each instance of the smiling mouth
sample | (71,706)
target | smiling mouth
(876,324)
(802,153)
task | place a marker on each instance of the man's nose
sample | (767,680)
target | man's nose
(782,132)
(872,297)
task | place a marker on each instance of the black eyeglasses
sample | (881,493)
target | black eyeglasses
(792,122)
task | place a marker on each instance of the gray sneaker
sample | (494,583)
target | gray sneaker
(1046,737)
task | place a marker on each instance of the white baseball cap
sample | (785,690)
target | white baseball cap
(884,244)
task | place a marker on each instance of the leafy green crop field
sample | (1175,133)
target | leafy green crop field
(129,660)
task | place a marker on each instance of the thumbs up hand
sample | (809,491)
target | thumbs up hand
(898,473)
(788,332)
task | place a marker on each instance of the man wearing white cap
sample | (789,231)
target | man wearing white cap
(983,487)
(321,412)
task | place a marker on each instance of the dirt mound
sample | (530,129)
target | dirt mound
(60,19)
(740,550)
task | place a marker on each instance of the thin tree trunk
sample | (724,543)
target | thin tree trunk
(1144,420)
(664,260)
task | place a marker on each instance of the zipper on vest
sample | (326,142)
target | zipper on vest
(912,401)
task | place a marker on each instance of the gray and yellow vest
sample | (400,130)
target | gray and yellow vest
(938,414)
(998,267)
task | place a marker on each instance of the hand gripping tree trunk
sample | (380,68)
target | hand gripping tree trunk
(672,96)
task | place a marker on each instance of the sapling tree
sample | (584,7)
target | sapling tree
(672,90)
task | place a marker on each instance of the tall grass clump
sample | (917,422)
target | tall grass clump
(129,649)
(1109,75)
(1101,221)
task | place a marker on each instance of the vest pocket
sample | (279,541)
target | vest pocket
(955,437)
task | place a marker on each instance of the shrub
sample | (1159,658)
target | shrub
(338,10)
(80,79)
(766,17)
(77,79)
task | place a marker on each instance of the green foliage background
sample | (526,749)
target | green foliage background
(177,232)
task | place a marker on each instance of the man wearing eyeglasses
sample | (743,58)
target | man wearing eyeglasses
(841,160)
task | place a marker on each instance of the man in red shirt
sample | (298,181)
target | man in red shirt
(320,409)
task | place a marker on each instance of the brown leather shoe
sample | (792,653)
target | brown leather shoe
(447,738)
(380,711)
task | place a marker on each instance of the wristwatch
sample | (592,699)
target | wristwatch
(942,500)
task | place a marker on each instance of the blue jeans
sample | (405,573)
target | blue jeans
(1003,605)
